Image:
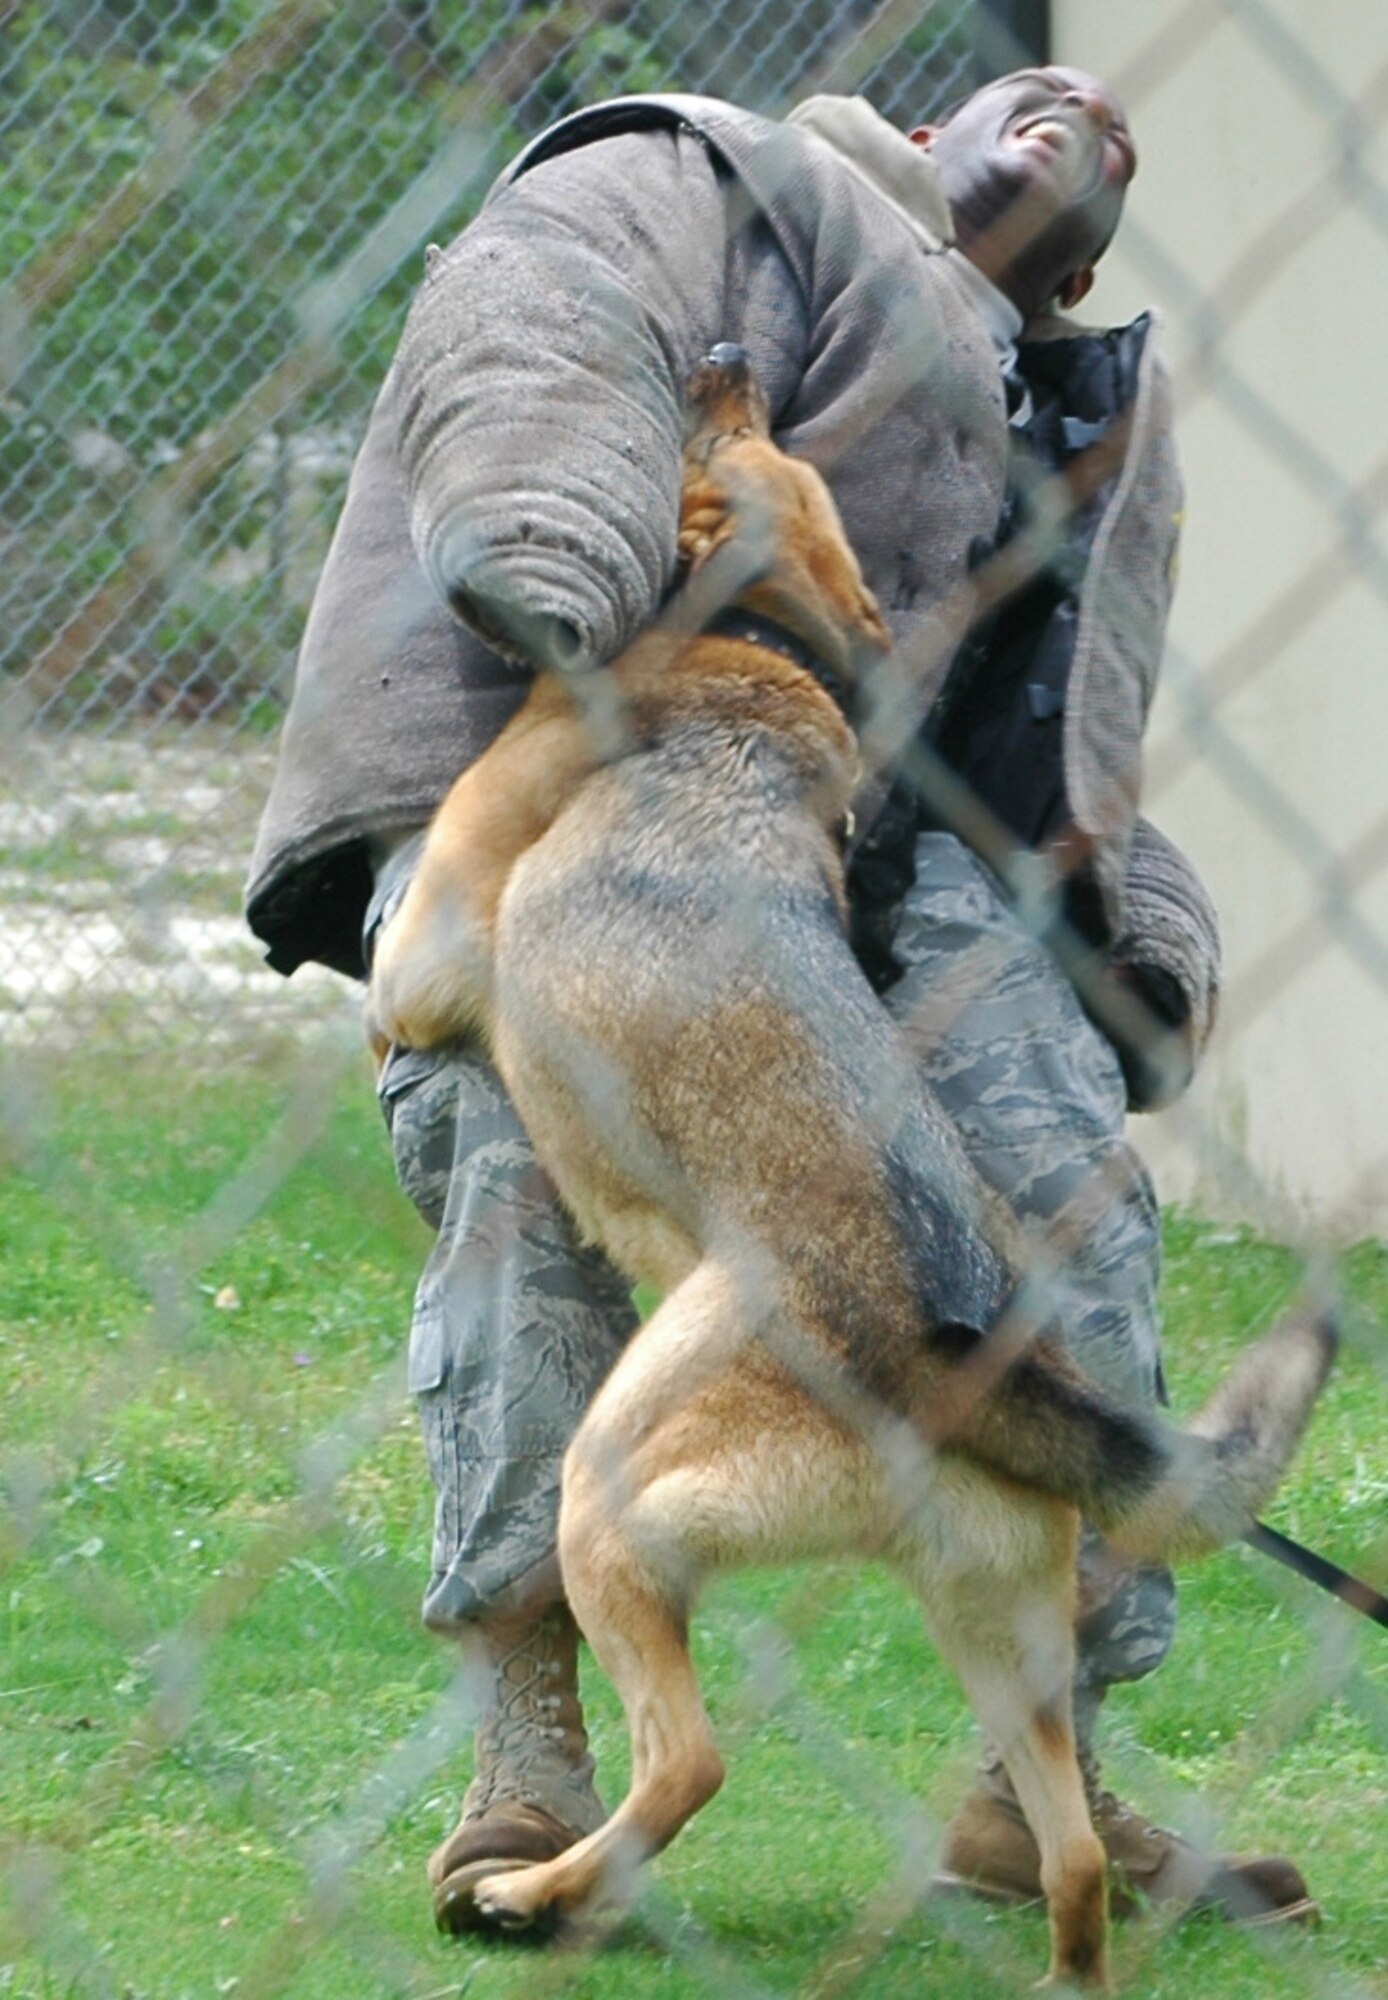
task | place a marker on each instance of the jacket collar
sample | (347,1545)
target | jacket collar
(900,174)
(905,177)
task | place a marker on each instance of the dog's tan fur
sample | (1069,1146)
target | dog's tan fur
(644,918)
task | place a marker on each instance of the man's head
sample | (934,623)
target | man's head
(1035,167)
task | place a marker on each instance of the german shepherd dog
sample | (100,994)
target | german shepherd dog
(644,917)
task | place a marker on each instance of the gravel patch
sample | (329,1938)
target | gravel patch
(122,861)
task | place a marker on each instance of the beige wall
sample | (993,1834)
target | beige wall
(1278,628)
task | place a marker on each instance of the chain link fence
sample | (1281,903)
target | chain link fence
(214,219)
(216,216)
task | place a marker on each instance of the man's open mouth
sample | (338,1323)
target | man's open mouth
(1064,138)
(1057,133)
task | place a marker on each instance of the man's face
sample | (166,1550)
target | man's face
(1035,167)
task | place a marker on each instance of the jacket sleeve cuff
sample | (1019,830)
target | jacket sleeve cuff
(541,396)
(1167,957)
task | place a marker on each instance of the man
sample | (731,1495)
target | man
(515,503)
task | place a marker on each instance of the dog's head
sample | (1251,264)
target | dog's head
(759,529)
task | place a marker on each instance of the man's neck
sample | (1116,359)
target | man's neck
(1002,318)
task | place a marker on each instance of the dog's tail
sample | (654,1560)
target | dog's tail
(1156,1491)
(1231,1458)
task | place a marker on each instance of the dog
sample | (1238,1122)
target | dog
(636,896)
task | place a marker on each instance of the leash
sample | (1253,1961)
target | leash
(1319,1570)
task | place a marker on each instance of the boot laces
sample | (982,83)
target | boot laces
(1105,1806)
(521,1744)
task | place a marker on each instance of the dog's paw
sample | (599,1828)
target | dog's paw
(528,1898)
(549,1900)
(502,1903)
(706,523)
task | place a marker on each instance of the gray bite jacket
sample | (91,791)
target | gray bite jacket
(516,495)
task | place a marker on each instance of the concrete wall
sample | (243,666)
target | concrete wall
(1268,758)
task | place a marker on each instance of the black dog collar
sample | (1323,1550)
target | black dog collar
(756,630)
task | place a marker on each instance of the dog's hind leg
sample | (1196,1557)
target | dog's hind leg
(630,1577)
(1006,1627)
(1041,1762)
(639,1633)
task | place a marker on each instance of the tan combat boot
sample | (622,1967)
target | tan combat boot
(533,1794)
(990,1852)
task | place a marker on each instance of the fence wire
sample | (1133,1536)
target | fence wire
(214,218)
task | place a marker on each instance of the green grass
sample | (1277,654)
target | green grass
(226,1745)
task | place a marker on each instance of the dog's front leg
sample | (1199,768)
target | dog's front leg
(431,978)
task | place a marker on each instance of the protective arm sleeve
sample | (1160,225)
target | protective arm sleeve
(542,373)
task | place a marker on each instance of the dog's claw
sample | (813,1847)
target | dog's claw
(498,1911)
(508,1920)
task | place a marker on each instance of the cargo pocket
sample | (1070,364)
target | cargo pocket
(418,1094)
(425,1362)
(403,1071)
(428,1378)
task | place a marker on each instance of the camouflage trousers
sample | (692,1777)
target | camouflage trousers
(516,1324)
